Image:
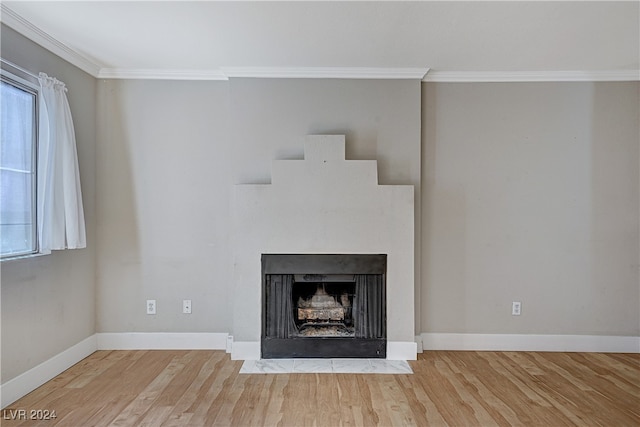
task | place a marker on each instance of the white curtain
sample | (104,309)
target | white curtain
(61,216)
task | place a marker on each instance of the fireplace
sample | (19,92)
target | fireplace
(322,204)
(323,306)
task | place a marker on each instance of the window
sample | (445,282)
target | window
(18,149)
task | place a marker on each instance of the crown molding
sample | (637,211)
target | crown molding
(159,74)
(225,73)
(423,74)
(531,76)
(326,72)
(30,31)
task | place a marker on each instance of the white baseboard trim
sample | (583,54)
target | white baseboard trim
(229,344)
(245,350)
(162,341)
(418,339)
(28,381)
(401,350)
(512,342)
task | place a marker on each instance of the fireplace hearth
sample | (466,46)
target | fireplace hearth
(323,306)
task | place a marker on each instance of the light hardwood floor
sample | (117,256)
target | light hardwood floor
(204,388)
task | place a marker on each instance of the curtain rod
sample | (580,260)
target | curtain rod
(19,68)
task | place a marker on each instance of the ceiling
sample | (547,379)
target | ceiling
(213,39)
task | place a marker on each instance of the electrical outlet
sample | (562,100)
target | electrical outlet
(516,308)
(151,306)
(186,306)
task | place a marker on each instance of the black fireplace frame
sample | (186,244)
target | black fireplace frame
(323,347)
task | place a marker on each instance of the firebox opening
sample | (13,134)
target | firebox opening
(323,309)
(324,305)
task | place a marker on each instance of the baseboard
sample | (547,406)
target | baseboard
(162,341)
(512,342)
(401,350)
(28,381)
(418,340)
(245,350)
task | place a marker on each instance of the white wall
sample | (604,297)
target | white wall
(530,193)
(48,302)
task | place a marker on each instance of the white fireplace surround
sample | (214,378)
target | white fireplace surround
(323,204)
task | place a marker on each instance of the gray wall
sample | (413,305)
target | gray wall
(530,193)
(48,302)
(164,175)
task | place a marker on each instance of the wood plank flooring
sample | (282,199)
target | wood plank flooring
(204,388)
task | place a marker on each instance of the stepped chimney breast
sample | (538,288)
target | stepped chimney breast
(319,207)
